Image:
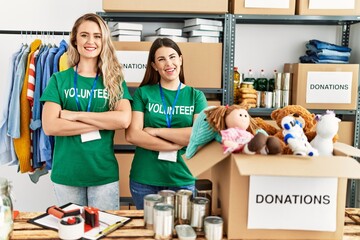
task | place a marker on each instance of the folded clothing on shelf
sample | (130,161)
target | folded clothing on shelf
(324,52)
(325,45)
(315,59)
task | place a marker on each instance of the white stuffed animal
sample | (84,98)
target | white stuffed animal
(296,139)
(326,128)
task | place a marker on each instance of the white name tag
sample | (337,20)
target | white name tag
(168,156)
(90,136)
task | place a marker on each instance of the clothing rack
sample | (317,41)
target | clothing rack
(30,32)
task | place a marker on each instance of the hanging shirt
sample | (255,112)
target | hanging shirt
(5,140)
(35,124)
(14,105)
(23,143)
(62,49)
(46,143)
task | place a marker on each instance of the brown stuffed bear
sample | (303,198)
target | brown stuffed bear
(297,111)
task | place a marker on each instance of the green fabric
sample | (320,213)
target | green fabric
(201,134)
(75,163)
(146,168)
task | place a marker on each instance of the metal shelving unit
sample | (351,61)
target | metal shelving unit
(179,18)
(345,22)
(230,21)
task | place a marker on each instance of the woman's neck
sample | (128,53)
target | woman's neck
(87,69)
(170,85)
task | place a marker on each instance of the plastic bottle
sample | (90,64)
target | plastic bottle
(262,82)
(236,84)
(250,78)
(271,85)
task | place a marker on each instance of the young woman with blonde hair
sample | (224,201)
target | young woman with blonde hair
(83,105)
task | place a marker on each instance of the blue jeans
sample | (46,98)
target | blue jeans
(103,197)
(325,45)
(139,191)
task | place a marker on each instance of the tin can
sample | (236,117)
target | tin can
(258,99)
(278,80)
(286,81)
(168,196)
(149,201)
(277,98)
(268,99)
(285,98)
(204,189)
(199,210)
(213,227)
(183,206)
(163,221)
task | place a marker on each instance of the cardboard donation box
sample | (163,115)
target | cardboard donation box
(326,7)
(324,86)
(176,6)
(278,197)
(272,7)
(202,62)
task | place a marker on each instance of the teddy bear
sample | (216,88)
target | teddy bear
(298,112)
(239,132)
(295,138)
(326,133)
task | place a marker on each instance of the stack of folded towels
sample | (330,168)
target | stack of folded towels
(323,52)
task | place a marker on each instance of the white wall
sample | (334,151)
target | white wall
(35,15)
(268,47)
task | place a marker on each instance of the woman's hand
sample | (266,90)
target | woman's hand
(152,131)
(68,115)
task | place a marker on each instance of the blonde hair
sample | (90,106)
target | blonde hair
(108,64)
(216,117)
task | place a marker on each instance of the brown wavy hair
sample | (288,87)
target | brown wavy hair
(108,64)
(151,76)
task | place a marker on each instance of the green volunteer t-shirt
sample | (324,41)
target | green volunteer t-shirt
(77,163)
(146,168)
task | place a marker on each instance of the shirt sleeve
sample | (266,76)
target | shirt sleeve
(200,102)
(51,92)
(138,101)
(126,93)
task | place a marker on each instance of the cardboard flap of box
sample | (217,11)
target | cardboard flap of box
(291,165)
(343,149)
(208,156)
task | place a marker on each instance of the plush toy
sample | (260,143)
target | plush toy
(201,134)
(326,129)
(300,113)
(295,138)
(237,130)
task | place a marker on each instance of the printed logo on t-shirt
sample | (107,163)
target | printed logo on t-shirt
(85,93)
(178,110)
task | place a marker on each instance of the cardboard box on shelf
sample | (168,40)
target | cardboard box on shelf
(236,177)
(272,7)
(174,6)
(324,7)
(202,62)
(324,86)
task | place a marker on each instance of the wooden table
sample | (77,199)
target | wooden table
(134,230)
